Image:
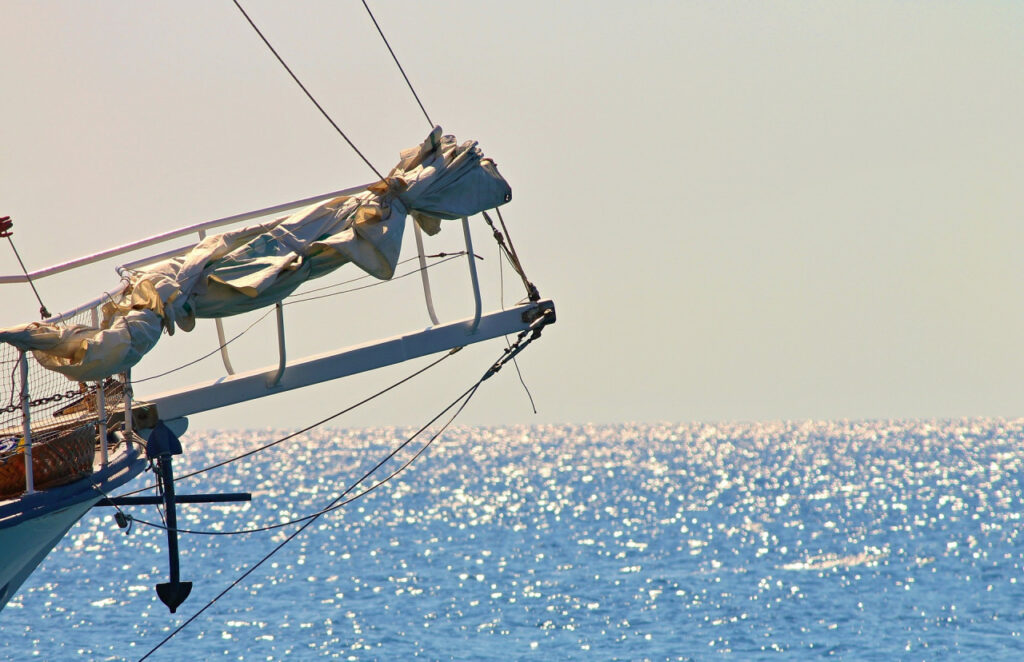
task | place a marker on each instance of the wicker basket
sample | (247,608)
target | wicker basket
(62,457)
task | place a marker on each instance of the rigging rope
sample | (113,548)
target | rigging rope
(510,254)
(5,231)
(510,353)
(447,258)
(395,58)
(531,289)
(311,98)
(207,355)
(287,540)
(335,504)
(501,292)
(305,429)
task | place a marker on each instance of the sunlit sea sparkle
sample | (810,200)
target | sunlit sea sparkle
(859,540)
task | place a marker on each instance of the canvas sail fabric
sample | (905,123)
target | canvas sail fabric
(253,267)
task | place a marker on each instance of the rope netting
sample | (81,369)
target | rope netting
(63,417)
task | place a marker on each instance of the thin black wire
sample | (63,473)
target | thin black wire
(311,98)
(511,245)
(365,276)
(515,362)
(335,504)
(467,395)
(303,430)
(501,290)
(350,280)
(208,355)
(395,58)
(366,287)
(43,312)
(510,254)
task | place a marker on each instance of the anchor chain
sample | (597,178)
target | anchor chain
(56,397)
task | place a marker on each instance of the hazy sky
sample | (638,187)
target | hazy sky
(742,210)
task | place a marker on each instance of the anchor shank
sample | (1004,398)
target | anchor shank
(161,445)
(167,475)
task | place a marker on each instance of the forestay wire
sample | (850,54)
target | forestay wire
(308,94)
(399,64)
(509,251)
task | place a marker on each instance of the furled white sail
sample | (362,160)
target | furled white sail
(246,269)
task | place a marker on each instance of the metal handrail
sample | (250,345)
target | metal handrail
(173,234)
(201,228)
(273,382)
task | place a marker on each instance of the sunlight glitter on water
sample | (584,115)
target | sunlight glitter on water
(865,539)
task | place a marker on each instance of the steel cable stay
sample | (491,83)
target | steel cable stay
(501,290)
(509,251)
(308,94)
(5,231)
(317,103)
(336,504)
(524,339)
(531,290)
(508,354)
(126,520)
(208,355)
(446,257)
(259,563)
(359,278)
(397,63)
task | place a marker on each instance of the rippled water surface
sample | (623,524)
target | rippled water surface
(866,541)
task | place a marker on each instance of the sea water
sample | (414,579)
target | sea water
(852,540)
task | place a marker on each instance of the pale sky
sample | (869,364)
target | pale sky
(743,211)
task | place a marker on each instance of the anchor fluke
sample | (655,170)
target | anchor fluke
(173,594)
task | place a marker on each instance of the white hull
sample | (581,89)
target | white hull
(25,545)
(32,525)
